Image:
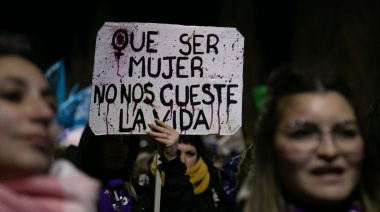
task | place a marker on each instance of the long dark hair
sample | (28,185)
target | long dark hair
(266,194)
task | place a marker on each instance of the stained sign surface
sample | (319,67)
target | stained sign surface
(191,77)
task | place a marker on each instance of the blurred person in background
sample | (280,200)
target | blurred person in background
(30,178)
(309,152)
(203,174)
(141,169)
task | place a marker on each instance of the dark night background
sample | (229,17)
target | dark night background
(340,36)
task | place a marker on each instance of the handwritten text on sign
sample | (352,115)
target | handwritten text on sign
(188,76)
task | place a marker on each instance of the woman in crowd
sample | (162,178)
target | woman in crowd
(203,174)
(29,178)
(309,150)
(111,158)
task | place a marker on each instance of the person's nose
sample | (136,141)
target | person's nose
(327,149)
(182,157)
(41,111)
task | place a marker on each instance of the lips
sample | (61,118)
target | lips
(327,170)
(328,174)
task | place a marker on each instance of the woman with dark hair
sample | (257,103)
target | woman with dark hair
(110,158)
(29,177)
(203,174)
(309,153)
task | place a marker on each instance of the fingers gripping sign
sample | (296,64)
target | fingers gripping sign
(167,137)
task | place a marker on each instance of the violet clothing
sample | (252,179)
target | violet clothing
(353,208)
(114,197)
(177,194)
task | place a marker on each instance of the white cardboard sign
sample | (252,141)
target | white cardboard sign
(191,77)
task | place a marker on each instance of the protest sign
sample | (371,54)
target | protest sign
(191,77)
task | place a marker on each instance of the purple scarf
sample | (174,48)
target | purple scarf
(114,197)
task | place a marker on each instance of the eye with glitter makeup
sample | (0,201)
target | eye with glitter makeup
(346,130)
(304,130)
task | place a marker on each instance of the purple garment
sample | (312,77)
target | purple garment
(114,197)
(353,208)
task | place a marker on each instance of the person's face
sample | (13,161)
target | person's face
(114,152)
(27,111)
(189,154)
(318,147)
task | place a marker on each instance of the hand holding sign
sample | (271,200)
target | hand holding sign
(187,76)
(167,137)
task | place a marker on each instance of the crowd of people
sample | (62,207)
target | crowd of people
(111,159)
(312,151)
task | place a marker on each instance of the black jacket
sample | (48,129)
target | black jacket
(211,200)
(176,195)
